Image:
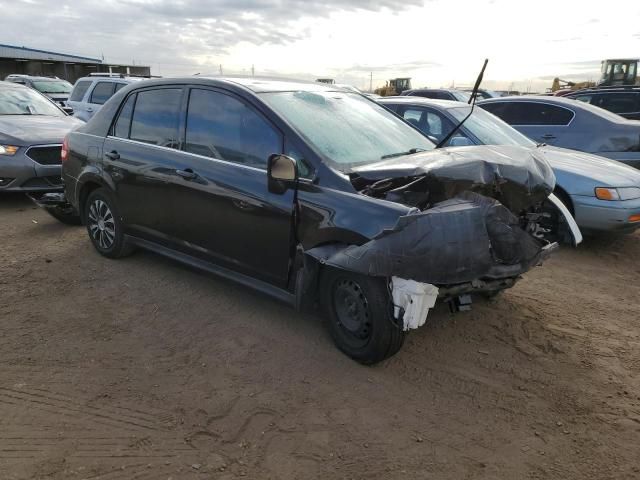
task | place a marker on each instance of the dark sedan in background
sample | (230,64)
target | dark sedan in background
(568,123)
(32,128)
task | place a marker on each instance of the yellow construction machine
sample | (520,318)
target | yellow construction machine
(395,86)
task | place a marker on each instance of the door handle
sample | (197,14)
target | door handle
(112,155)
(548,136)
(89,109)
(187,174)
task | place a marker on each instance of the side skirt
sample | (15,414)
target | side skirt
(259,285)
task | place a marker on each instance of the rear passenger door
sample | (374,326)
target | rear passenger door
(101,92)
(223,210)
(140,159)
(542,122)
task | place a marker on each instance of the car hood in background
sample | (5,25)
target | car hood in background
(36,129)
(603,172)
(518,177)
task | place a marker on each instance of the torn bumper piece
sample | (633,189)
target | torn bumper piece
(457,241)
(412,301)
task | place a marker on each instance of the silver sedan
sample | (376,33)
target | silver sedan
(568,123)
(603,195)
(32,128)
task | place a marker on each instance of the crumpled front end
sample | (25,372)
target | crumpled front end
(467,238)
(479,220)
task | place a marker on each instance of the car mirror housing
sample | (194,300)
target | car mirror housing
(282,173)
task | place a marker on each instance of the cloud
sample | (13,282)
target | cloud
(176,32)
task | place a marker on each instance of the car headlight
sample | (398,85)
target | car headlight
(8,150)
(622,193)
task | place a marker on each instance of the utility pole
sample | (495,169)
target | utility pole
(253,70)
(370,82)
(220,69)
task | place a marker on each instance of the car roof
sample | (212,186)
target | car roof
(36,77)
(608,89)
(4,84)
(532,98)
(253,84)
(411,100)
(433,90)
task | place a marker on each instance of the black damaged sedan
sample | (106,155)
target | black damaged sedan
(311,194)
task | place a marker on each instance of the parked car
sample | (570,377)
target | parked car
(55,88)
(31,132)
(567,123)
(308,193)
(90,93)
(482,93)
(602,195)
(438,93)
(625,101)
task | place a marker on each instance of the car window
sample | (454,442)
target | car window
(429,122)
(79,90)
(621,102)
(583,98)
(24,101)
(530,113)
(351,126)
(52,86)
(488,129)
(223,127)
(123,123)
(119,86)
(101,92)
(156,116)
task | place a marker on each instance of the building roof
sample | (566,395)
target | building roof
(12,51)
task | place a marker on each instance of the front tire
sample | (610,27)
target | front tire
(104,224)
(359,315)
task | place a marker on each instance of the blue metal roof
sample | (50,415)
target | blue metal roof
(13,51)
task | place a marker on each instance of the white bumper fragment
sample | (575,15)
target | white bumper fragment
(414,298)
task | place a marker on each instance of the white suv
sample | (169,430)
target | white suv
(90,93)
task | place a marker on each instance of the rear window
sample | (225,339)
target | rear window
(530,113)
(156,117)
(79,90)
(620,102)
(101,92)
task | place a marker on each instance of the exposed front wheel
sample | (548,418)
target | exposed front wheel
(104,225)
(360,316)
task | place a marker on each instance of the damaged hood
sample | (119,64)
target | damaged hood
(518,177)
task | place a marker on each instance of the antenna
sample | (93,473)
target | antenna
(472,101)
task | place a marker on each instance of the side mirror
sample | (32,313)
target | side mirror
(282,173)
(460,142)
(68,110)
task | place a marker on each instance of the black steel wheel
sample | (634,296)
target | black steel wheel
(105,225)
(360,316)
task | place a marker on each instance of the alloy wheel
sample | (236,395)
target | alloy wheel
(102,226)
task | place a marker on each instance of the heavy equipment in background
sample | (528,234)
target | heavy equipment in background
(619,71)
(395,86)
(561,87)
(328,81)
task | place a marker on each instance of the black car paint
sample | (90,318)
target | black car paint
(224,219)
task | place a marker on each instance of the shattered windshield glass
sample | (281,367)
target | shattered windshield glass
(346,128)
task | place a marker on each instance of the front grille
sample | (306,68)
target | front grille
(49,155)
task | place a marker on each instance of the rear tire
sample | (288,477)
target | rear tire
(104,224)
(359,316)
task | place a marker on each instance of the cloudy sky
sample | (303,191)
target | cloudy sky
(436,42)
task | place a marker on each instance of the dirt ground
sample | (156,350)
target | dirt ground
(141,369)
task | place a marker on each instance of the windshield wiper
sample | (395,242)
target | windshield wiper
(399,154)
